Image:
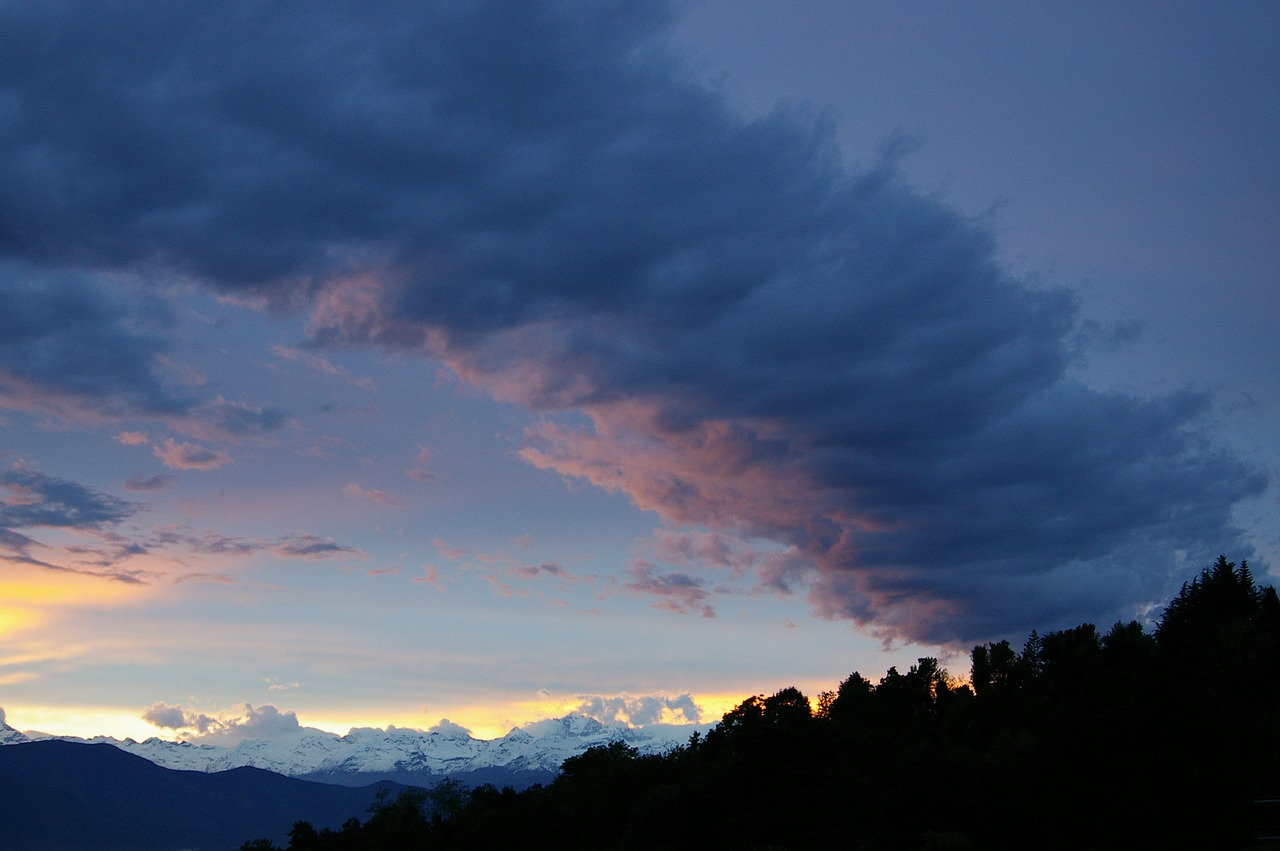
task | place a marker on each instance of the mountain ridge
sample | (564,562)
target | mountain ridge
(525,755)
(58,795)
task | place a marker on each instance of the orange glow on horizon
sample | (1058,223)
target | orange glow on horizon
(47,588)
(84,722)
(14,620)
(485,722)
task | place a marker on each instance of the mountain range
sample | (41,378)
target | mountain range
(106,794)
(525,755)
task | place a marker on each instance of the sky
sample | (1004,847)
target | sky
(474,363)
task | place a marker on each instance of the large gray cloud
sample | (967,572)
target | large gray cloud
(537,194)
(77,346)
(71,346)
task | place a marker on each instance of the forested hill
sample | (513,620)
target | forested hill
(1081,739)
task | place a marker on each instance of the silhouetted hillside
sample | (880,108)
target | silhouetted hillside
(64,796)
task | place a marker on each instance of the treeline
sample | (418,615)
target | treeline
(1126,739)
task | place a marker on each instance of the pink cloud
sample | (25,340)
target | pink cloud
(450,552)
(676,592)
(430,576)
(322,365)
(533,571)
(224,420)
(371,495)
(420,469)
(503,588)
(189,456)
(695,547)
(220,578)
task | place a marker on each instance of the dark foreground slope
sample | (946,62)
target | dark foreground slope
(84,797)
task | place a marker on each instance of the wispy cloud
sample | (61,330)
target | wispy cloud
(420,470)
(370,495)
(142,484)
(322,365)
(534,571)
(299,545)
(225,420)
(430,576)
(216,578)
(31,500)
(308,546)
(676,591)
(275,685)
(189,456)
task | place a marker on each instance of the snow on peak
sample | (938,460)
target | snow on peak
(446,749)
(10,736)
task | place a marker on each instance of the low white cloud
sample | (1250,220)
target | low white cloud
(275,685)
(449,729)
(640,711)
(228,726)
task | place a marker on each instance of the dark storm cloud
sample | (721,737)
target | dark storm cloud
(536,194)
(83,346)
(71,346)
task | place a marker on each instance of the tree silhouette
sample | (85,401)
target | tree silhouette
(1124,740)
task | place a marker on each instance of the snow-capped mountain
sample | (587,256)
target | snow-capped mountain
(10,736)
(366,754)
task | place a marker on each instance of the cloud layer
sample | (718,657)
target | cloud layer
(228,727)
(714,315)
(71,345)
(31,500)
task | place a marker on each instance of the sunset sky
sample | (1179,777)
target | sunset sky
(369,364)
